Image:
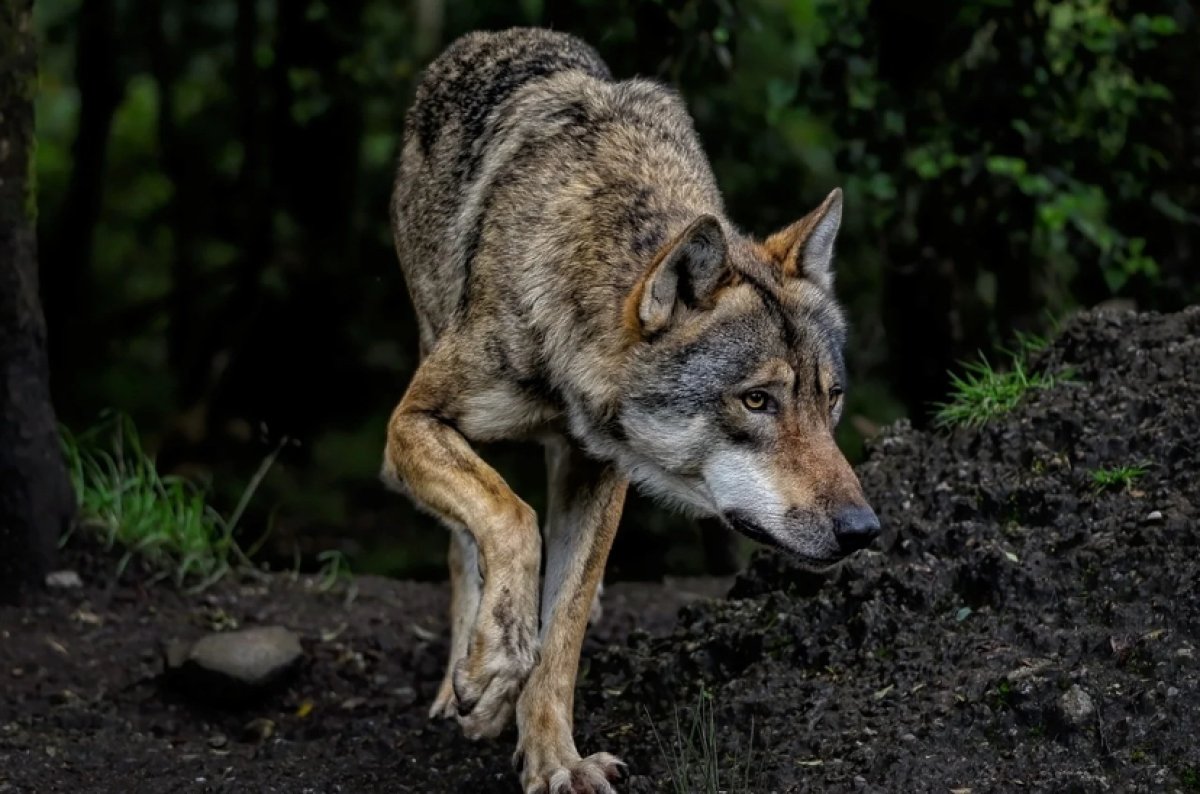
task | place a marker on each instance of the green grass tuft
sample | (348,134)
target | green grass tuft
(984,392)
(1118,476)
(693,754)
(164,520)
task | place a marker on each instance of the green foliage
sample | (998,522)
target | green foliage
(693,754)
(982,392)
(1118,477)
(334,568)
(166,521)
(1068,176)
(1001,696)
(998,160)
(122,497)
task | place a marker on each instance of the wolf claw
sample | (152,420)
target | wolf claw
(592,775)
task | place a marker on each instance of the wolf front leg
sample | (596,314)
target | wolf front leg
(585,500)
(433,462)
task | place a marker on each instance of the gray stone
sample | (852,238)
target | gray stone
(1076,707)
(234,664)
(63,580)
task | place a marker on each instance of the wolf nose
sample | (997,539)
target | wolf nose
(855,528)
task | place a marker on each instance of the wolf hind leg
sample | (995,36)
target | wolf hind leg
(465,587)
(434,463)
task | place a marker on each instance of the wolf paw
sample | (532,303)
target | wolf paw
(489,680)
(591,775)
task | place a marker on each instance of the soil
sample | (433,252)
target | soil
(1019,629)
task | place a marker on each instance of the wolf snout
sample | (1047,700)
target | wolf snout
(855,527)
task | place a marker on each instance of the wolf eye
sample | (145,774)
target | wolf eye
(835,394)
(756,400)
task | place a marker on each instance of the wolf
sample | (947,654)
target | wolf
(577,283)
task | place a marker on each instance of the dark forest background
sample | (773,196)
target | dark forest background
(216,261)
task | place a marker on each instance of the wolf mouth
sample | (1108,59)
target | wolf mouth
(739,522)
(748,528)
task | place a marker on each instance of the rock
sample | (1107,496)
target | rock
(1076,708)
(63,580)
(350,704)
(1154,517)
(217,741)
(234,666)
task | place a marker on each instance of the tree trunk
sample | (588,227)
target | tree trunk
(36,502)
(67,257)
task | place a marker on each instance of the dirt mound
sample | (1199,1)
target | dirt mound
(1024,628)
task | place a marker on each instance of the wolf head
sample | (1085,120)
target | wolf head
(738,382)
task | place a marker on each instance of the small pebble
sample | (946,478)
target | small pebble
(404,696)
(64,580)
(1076,707)
(63,697)
(908,737)
(1154,517)
(258,730)
(217,741)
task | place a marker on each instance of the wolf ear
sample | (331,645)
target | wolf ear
(805,249)
(687,272)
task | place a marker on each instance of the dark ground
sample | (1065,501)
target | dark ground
(1008,585)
